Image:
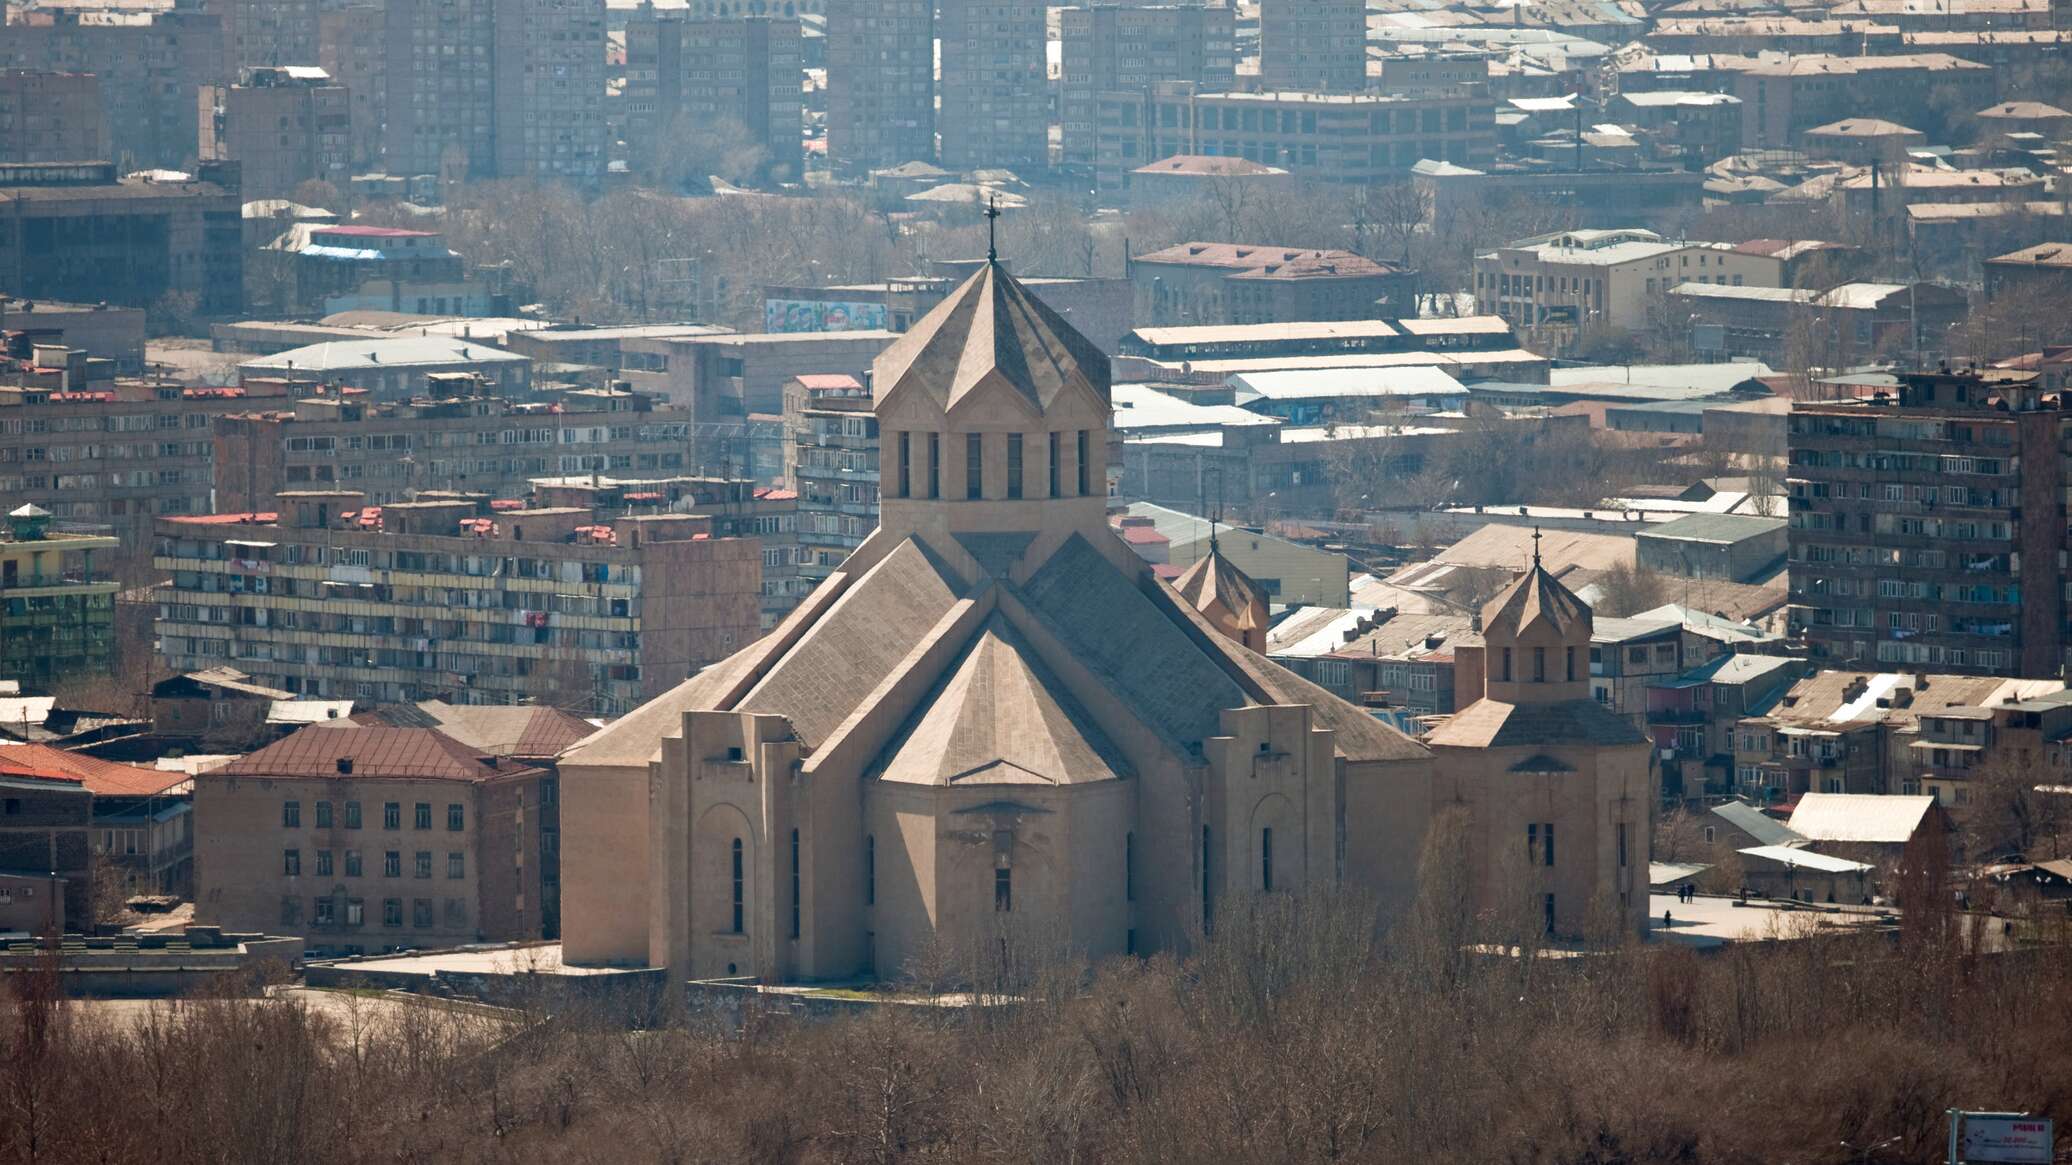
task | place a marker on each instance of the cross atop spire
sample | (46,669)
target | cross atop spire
(992,228)
(1535,547)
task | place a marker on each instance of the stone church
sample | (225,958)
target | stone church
(995,711)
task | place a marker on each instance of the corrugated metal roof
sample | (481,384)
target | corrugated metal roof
(1805,859)
(1859,817)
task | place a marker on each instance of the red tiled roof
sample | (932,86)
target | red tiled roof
(1141,535)
(101,778)
(829,381)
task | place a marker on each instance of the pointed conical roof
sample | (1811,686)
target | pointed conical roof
(1533,597)
(999,717)
(1215,587)
(991,329)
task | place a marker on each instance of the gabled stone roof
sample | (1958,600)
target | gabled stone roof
(1535,597)
(1496,724)
(998,716)
(1214,584)
(992,331)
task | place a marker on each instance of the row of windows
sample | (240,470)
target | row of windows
(391,864)
(351,912)
(391,814)
(974,466)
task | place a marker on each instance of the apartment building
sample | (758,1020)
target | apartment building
(327,595)
(1928,525)
(85,233)
(880,84)
(1577,282)
(831,462)
(375,838)
(995,85)
(267,33)
(440,115)
(1313,44)
(685,75)
(1782,97)
(57,612)
(1128,49)
(549,122)
(51,117)
(112,460)
(1206,284)
(150,63)
(283,125)
(351,47)
(1333,137)
(472,442)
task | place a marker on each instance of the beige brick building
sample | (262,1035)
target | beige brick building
(373,838)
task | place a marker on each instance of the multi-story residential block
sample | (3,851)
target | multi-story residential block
(482,444)
(351,47)
(1377,658)
(1577,283)
(451,597)
(441,112)
(1313,44)
(831,461)
(57,611)
(1842,327)
(142,823)
(995,85)
(112,460)
(1692,717)
(1197,284)
(1128,49)
(266,33)
(880,84)
(1928,524)
(51,117)
(375,838)
(548,121)
(696,77)
(84,233)
(150,65)
(1782,96)
(1333,137)
(283,125)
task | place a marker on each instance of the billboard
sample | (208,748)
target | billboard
(821,315)
(2009,1138)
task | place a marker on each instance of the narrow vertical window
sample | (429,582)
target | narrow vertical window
(740,907)
(1505,674)
(935,465)
(870,870)
(1129,867)
(1003,889)
(1056,482)
(906,468)
(795,883)
(1532,842)
(974,466)
(1014,465)
(1571,664)
(1549,851)
(1539,665)
(1266,859)
(1208,910)
(1548,907)
(1085,465)
(1622,845)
